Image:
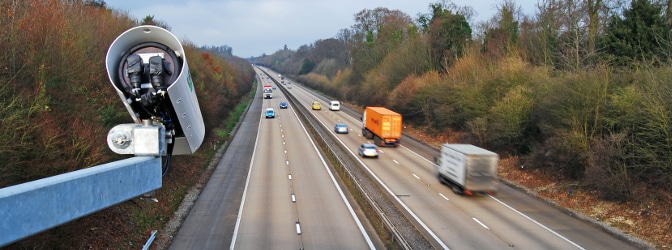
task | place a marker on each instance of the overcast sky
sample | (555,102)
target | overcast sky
(253,27)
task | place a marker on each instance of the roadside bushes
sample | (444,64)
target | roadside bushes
(609,128)
(53,87)
(57,102)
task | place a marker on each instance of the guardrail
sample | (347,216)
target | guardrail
(367,188)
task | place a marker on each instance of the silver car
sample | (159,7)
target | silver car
(368,150)
(341,128)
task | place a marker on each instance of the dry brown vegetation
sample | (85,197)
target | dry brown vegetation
(647,218)
(57,105)
(576,93)
(575,119)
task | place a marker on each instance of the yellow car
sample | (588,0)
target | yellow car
(317,106)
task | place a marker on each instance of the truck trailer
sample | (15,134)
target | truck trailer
(382,125)
(468,169)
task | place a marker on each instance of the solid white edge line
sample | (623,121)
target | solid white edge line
(247,184)
(506,205)
(536,222)
(424,226)
(419,156)
(422,223)
(338,188)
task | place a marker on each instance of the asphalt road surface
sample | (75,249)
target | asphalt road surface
(273,191)
(508,220)
(290,199)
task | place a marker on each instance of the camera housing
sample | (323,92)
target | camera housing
(148,69)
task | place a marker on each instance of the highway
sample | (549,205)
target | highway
(292,200)
(289,199)
(509,219)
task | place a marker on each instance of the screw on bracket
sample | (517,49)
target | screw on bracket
(121,139)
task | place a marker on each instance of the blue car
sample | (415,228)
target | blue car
(283,105)
(270,113)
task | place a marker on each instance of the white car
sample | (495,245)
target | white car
(368,150)
(334,105)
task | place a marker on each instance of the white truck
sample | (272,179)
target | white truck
(268,93)
(468,169)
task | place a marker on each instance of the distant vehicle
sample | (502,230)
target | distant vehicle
(274,88)
(382,125)
(317,105)
(368,150)
(334,105)
(268,92)
(289,87)
(341,128)
(468,169)
(283,105)
(270,113)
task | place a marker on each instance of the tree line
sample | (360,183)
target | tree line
(579,89)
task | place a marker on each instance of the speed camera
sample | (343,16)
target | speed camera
(148,69)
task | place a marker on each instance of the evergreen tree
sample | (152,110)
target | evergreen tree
(306,67)
(640,35)
(448,35)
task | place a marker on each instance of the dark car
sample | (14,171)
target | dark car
(283,105)
(341,128)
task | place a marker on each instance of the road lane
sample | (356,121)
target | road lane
(292,200)
(211,221)
(467,222)
(269,216)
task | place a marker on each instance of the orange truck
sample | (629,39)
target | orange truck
(382,125)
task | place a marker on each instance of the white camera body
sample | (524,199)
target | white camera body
(148,68)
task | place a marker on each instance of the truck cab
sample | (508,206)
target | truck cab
(268,93)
